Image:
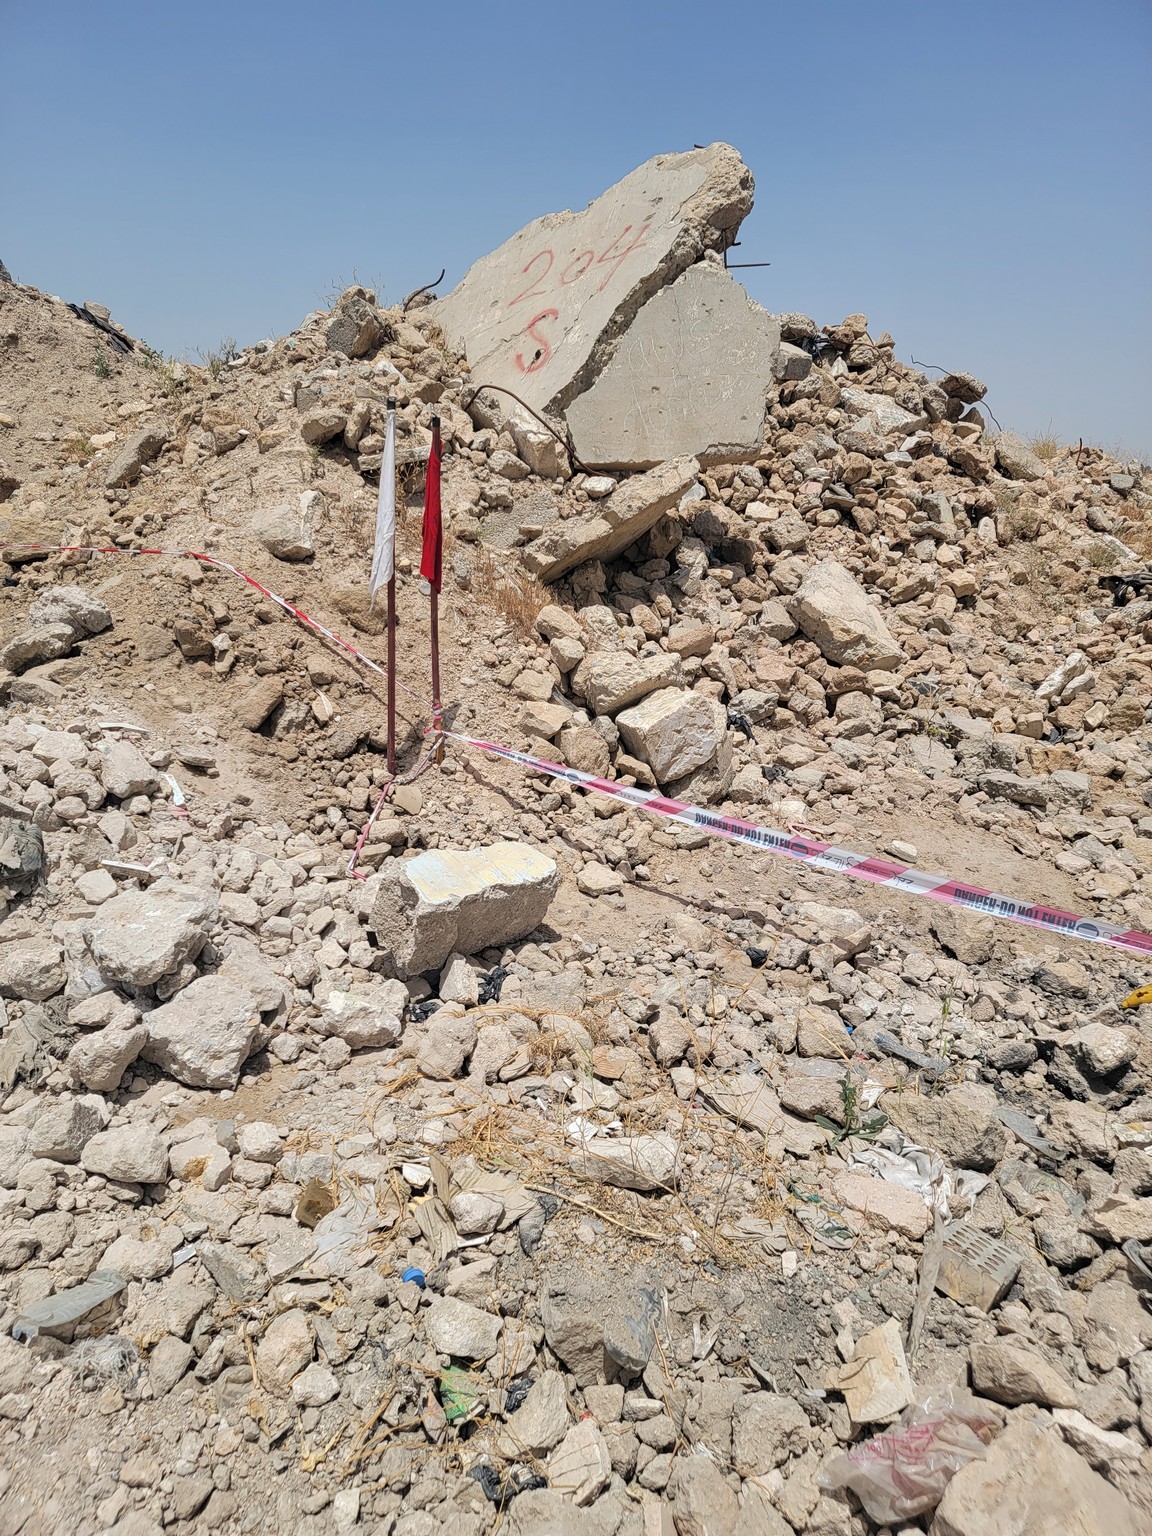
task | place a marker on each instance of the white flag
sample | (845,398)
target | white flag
(384,554)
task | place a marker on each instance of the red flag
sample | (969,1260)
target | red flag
(433,528)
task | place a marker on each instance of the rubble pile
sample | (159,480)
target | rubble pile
(573,1171)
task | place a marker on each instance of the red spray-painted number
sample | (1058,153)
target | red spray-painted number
(616,257)
(544,346)
(533,292)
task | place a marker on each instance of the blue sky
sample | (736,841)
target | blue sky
(973,177)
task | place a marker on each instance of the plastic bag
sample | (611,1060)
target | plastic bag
(904,1471)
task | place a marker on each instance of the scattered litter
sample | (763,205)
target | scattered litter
(459,1395)
(122,725)
(315,1202)
(902,1474)
(68,1307)
(110,1358)
(1138,998)
(932,1065)
(901,1161)
(1139,1257)
(141,871)
(417,1276)
(183,1255)
(518,1389)
(875,1382)
(1021,1126)
(976,1269)
(179,804)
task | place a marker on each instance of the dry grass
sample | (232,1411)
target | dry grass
(508,590)
(1046,445)
(78,451)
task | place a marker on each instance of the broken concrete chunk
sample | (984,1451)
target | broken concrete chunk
(613,524)
(541,314)
(452,900)
(125,771)
(140,449)
(673,730)
(457,1328)
(833,609)
(205,1034)
(689,376)
(141,936)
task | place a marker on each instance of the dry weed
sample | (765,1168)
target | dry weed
(508,590)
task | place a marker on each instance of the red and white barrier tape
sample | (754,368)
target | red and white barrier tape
(838,861)
(193,554)
(788,845)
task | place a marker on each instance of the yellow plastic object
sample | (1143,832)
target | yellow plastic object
(1138,998)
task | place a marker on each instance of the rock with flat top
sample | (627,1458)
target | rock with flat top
(610,680)
(452,900)
(366,1013)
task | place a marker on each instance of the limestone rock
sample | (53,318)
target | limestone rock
(140,449)
(450,900)
(82,611)
(540,1422)
(99,1060)
(1032,1484)
(1008,1373)
(702,1502)
(610,680)
(629,1162)
(141,936)
(689,376)
(767,1428)
(613,524)
(62,1129)
(580,1465)
(457,1328)
(961,1123)
(285,532)
(31,969)
(132,1154)
(125,771)
(367,1013)
(673,730)
(833,609)
(205,1034)
(1015,457)
(284,1351)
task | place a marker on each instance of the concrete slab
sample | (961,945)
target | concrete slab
(689,377)
(542,314)
(614,523)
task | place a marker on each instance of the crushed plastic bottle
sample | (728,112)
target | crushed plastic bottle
(67,1307)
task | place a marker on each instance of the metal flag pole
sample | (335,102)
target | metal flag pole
(434,583)
(392,628)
